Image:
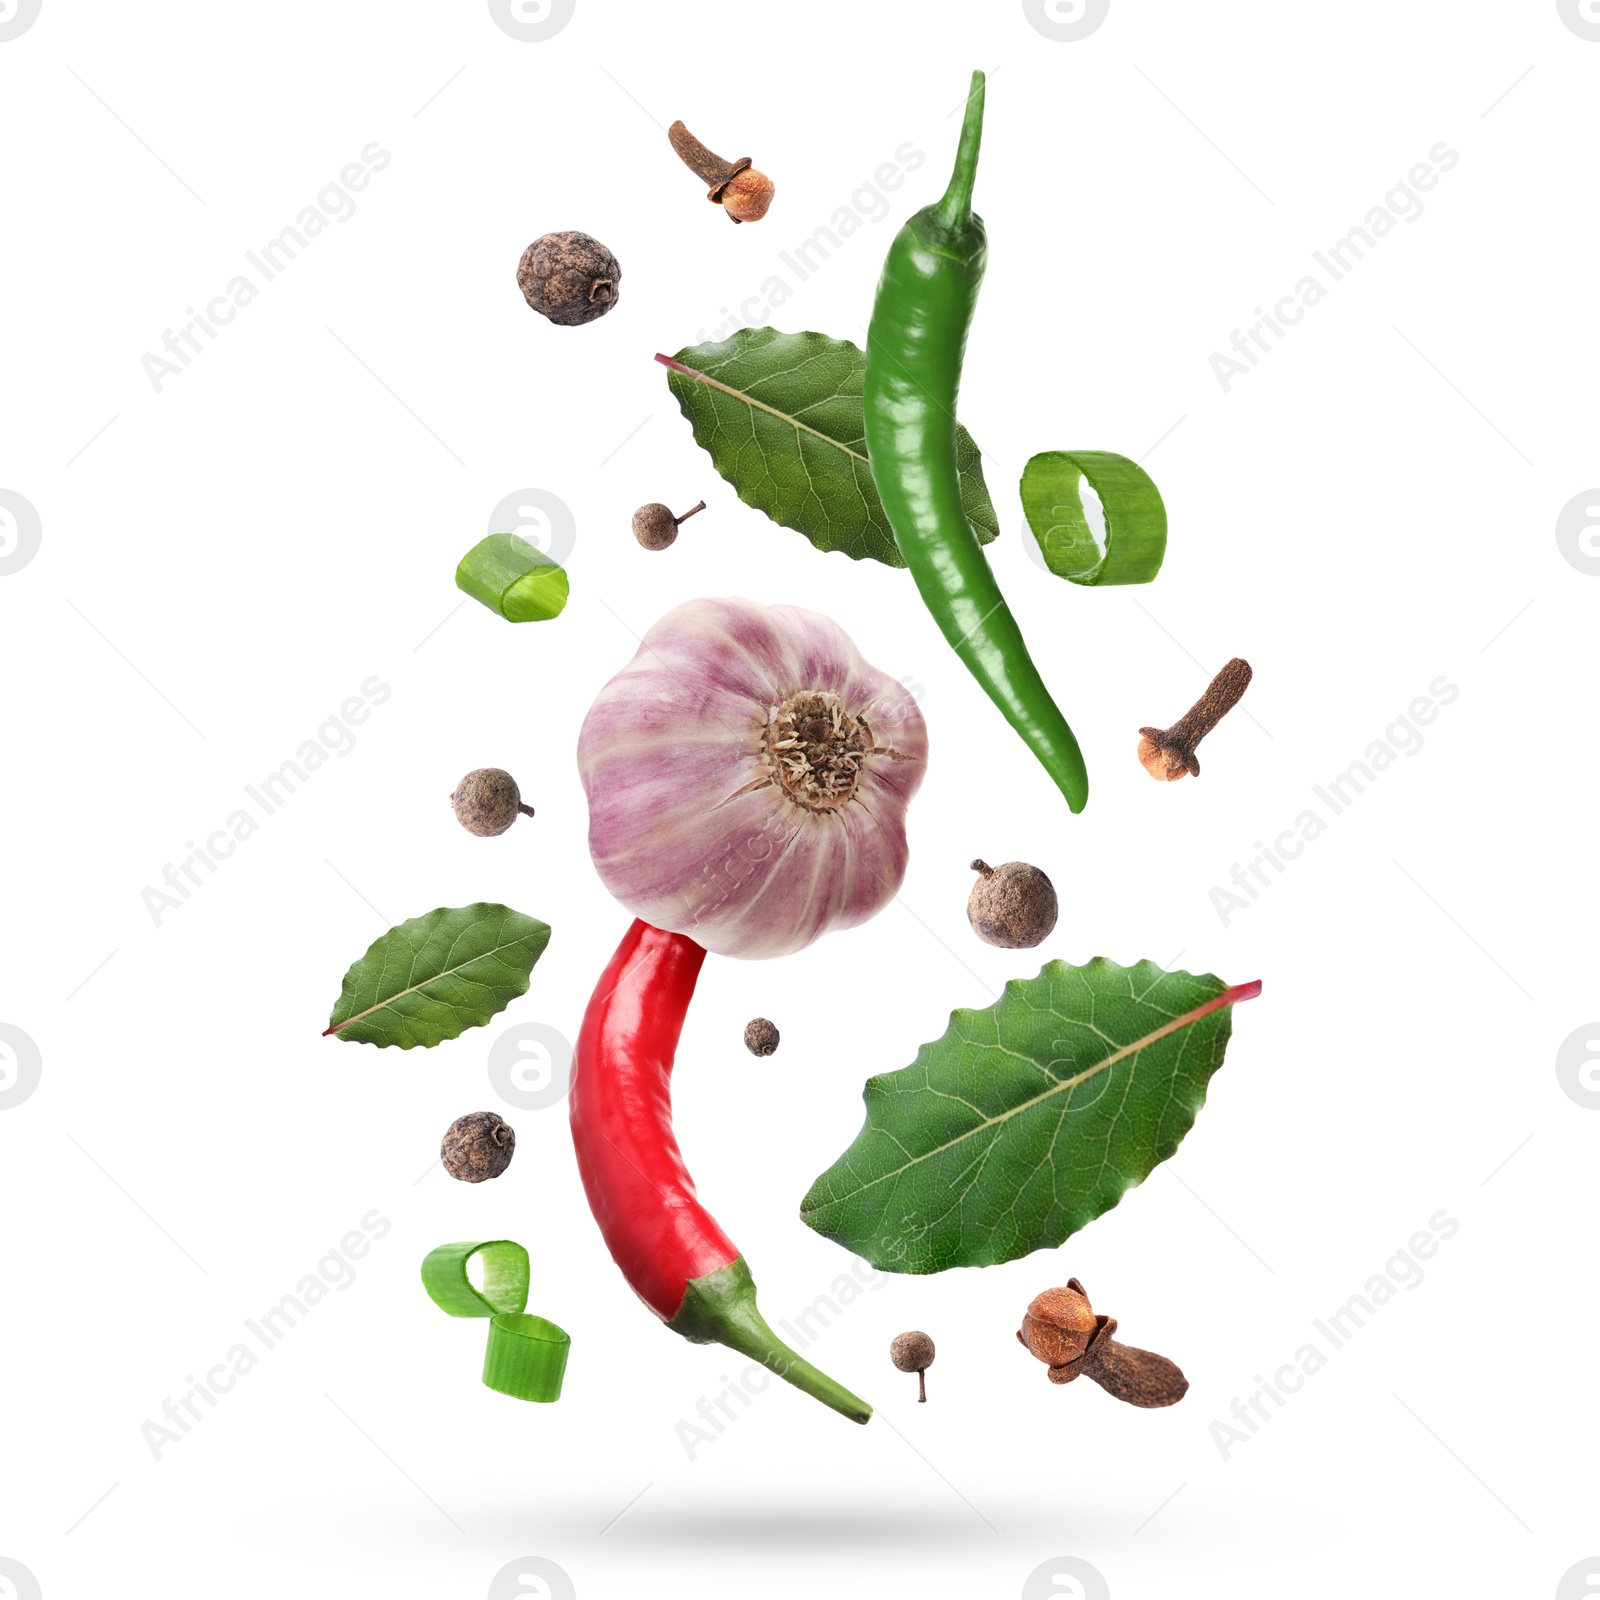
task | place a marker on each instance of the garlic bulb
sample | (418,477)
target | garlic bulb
(747,775)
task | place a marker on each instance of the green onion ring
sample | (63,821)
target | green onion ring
(1136,519)
(513,579)
(526,1355)
(505,1277)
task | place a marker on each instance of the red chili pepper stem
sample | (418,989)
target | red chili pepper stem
(720,1308)
(671,1250)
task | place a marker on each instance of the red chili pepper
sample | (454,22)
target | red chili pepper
(669,1247)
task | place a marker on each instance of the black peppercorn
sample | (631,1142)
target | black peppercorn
(569,278)
(477,1146)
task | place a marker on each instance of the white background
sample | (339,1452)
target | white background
(1373,507)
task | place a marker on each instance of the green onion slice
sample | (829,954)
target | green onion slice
(527,1355)
(512,578)
(505,1277)
(1136,520)
(526,1358)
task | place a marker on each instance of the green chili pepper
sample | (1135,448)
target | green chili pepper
(919,326)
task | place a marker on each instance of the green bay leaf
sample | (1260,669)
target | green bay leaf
(1028,1119)
(780,416)
(437,975)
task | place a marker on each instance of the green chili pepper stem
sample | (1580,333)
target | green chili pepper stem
(720,1308)
(956,206)
(915,345)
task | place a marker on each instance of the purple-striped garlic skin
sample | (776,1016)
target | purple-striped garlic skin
(748,774)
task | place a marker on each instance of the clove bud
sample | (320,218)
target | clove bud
(1062,1329)
(1167,754)
(736,186)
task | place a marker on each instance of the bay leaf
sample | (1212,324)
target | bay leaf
(437,975)
(780,416)
(1027,1119)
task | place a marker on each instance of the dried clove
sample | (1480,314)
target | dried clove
(1167,754)
(736,186)
(1062,1329)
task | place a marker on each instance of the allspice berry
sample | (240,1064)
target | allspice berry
(1013,906)
(913,1352)
(655,527)
(487,801)
(569,277)
(477,1146)
(760,1037)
